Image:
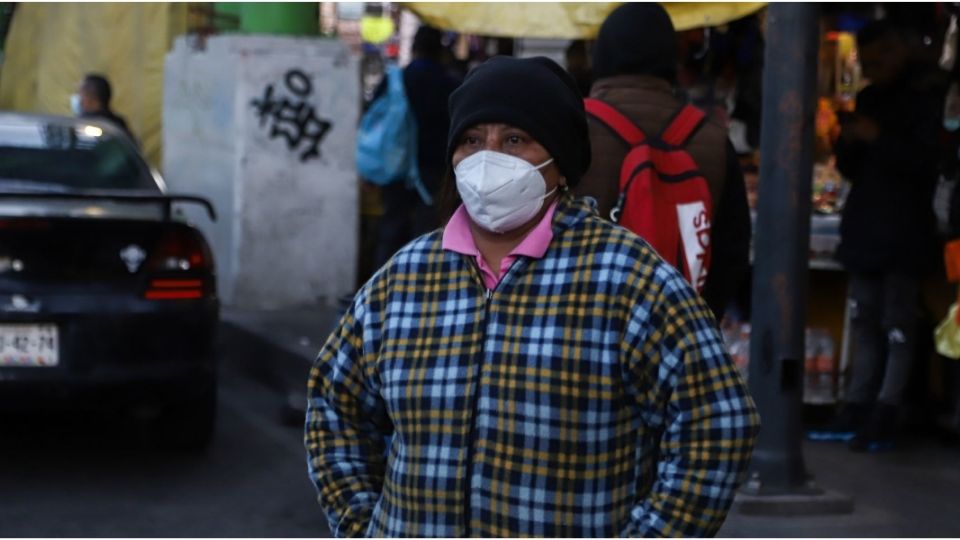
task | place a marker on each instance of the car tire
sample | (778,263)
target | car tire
(187,425)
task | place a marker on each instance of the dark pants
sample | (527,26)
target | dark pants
(883,329)
(405,217)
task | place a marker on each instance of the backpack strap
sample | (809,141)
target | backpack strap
(615,120)
(683,126)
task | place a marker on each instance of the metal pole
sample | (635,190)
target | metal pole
(781,244)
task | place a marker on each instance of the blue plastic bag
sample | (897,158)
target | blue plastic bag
(387,139)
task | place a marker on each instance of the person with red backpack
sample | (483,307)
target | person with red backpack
(660,167)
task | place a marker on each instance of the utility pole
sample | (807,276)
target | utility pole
(778,482)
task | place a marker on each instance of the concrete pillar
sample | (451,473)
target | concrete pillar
(265,127)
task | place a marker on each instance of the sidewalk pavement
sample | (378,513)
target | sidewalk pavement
(277,348)
(913,491)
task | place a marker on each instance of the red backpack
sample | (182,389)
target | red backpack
(663,197)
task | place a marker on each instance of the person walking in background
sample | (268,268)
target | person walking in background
(578,65)
(888,150)
(530,369)
(428,86)
(92,101)
(635,72)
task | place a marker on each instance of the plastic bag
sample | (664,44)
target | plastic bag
(947,335)
(387,139)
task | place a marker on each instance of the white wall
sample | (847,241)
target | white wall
(288,228)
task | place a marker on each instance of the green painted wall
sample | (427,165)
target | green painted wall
(280,18)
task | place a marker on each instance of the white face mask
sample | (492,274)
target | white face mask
(501,192)
(75,104)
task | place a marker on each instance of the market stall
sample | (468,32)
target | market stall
(721,53)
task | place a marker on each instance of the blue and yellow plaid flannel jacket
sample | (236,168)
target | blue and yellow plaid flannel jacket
(588,395)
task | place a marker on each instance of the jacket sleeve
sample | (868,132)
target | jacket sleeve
(690,392)
(346,424)
(731,235)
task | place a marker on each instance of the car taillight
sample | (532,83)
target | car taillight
(182,264)
(174,289)
(180,250)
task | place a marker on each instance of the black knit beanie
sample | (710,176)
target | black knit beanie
(533,94)
(636,39)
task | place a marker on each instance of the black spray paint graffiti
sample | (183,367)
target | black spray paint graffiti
(296,121)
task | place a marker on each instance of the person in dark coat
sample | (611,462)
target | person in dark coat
(635,70)
(92,101)
(888,150)
(428,87)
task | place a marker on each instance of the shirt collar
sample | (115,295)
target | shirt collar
(458,238)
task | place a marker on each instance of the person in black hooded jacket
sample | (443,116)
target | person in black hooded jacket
(888,150)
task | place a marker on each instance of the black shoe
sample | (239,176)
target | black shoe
(879,432)
(844,426)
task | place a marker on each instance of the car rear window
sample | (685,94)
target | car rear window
(81,156)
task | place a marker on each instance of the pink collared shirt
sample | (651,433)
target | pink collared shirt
(458,238)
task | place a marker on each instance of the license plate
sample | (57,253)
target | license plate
(29,345)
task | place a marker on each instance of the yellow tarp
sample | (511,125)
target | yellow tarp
(568,20)
(51,46)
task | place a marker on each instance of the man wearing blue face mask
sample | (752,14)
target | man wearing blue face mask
(530,369)
(92,101)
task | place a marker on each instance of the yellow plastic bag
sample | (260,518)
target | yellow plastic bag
(947,335)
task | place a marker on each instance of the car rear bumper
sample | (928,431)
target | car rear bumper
(117,358)
(131,389)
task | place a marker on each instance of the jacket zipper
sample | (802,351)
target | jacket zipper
(487,299)
(471,440)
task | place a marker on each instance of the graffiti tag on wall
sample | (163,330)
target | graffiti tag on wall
(295,120)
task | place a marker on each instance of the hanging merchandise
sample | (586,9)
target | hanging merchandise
(376,29)
(951,258)
(947,335)
(949,55)
(820,367)
(736,336)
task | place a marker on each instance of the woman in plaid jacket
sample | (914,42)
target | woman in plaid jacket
(530,369)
